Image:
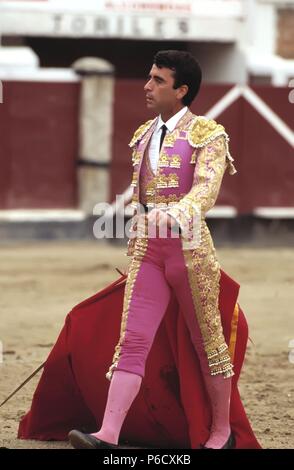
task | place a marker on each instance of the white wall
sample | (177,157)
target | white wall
(221,63)
(17,58)
(254,52)
(260,42)
(260,30)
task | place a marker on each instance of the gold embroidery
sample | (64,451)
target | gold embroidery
(193,157)
(202,131)
(140,132)
(175,161)
(161,200)
(150,173)
(209,170)
(135,200)
(136,157)
(232,169)
(131,246)
(170,139)
(204,277)
(179,132)
(151,187)
(172,180)
(173,198)
(161,181)
(163,160)
(135,179)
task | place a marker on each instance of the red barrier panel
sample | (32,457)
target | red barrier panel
(38,151)
(39,142)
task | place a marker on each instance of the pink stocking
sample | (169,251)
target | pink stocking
(123,389)
(219,391)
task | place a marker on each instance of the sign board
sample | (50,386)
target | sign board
(135,19)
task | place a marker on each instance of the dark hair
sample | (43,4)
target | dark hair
(186,70)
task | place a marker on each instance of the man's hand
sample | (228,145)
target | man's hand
(161,218)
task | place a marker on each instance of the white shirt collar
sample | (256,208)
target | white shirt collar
(173,121)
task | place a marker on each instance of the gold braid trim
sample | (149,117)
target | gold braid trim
(202,131)
(204,277)
(139,252)
(141,131)
(234,328)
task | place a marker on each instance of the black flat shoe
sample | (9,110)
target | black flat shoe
(230,444)
(79,440)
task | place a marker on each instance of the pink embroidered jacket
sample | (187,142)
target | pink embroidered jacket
(191,166)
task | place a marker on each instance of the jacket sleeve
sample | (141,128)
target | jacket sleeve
(211,163)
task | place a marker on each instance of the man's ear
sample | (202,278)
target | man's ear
(182,91)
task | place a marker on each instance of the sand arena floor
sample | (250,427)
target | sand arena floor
(41,282)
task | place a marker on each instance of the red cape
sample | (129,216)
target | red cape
(171,410)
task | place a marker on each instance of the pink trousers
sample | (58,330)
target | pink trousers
(160,274)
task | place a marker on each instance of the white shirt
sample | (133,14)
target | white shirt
(155,139)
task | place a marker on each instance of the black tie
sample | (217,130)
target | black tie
(163,132)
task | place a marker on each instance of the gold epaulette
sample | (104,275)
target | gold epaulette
(140,132)
(203,130)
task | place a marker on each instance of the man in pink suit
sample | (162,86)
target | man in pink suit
(179,161)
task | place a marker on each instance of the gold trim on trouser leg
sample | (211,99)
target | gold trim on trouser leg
(204,278)
(233,336)
(136,261)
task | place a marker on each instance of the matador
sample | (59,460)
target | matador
(179,160)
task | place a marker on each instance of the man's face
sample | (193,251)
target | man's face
(160,94)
